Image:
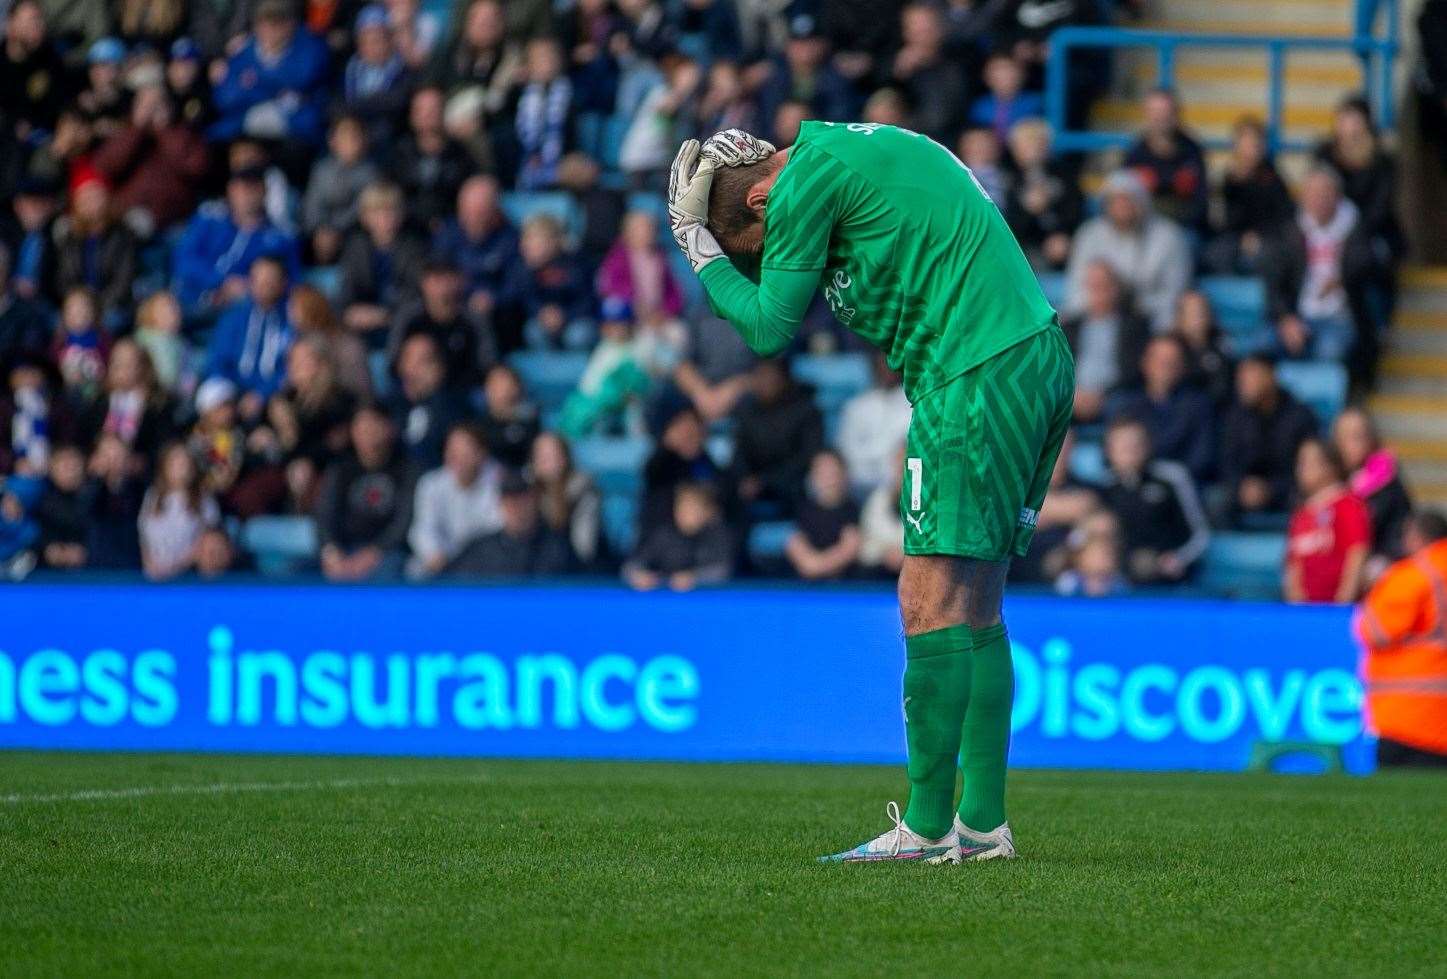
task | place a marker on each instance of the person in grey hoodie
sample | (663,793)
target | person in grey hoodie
(330,208)
(1149,253)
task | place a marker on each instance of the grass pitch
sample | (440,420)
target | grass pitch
(206,865)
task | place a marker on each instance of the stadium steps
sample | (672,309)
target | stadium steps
(1411,401)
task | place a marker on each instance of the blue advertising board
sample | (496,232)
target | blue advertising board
(599,672)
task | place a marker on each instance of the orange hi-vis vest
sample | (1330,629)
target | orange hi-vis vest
(1403,624)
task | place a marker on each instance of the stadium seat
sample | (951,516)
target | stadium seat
(835,377)
(688,282)
(1053,285)
(616,464)
(1321,386)
(620,522)
(1239,303)
(325,278)
(521,205)
(1087,462)
(1243,565)
(766,540)
(549,376)
(280,545)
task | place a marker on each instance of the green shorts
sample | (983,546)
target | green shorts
(981,448)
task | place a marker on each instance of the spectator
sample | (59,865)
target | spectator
(480,67)
(621,371)
(935,84)
(1069,503)
(133,406)
(174,515)
(482,244)
(525,547)
(464,336)
(374,83)
(681,456)
(187,85)
(826,540)
(1209,363)
(415,31)
(1148,252)
(32,73)
(1170,163)
(81,345)
(23,327)
(365,506)
(90,248)
(1310,274)
(1006,103)
(457,503)
(1107,338)
(334,190)
(1330,533)
(804,72)
(32,415)
(311,315)
(637,272)
(980,150)
(549,290)
(1375,477)
(872,426)
(63,512)
(1260,437)
(1094,560)
(544,114)
(692,549)
(1254,203)
(429,165)
(657,123)
(1164,528)
(778,430)
(19,531)
(114,493)
(1367,172)
(1044,205)
(217,442)
(508,418)
(154,162)
(271,87)
(726,103)
(307,420)
(1179,418)
(603,207)
(568,501)
(211,261)
(102,99)
(713,373)
(150,25)
(881,530)
(158,333)
(425,407)
(250,342)
(34,208)
(380,264)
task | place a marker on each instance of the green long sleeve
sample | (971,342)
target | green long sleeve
(766,315)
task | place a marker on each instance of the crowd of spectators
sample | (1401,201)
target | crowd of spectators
(257,260)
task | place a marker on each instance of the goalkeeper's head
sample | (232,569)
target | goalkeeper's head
(736,203)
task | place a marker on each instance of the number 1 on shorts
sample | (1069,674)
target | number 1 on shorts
(915,465)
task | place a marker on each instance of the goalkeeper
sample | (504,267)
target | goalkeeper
(911,255)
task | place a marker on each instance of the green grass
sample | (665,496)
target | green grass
(402,867)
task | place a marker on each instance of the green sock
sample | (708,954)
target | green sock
(987,729)
(936,692)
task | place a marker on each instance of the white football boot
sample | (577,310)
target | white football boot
(998,843)
(900,843)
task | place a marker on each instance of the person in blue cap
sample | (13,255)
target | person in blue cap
(374,85)
(190,90)
(102,102)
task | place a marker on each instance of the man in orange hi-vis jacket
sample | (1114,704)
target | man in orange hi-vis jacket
(1403,624)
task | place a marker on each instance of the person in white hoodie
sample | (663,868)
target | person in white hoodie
(1150,253)
(457,503)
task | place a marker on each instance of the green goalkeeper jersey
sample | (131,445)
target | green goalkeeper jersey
(910,252)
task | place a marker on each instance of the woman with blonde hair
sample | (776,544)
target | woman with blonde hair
(312,315)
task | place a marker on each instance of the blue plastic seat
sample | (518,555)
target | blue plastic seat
(835,377)
(616,464)
(1087,462)
(1239,303)
(1320,385)
(549,376)
(521,205)
(767,540)
(1053,285)
(325,278)
(620,522)
(280,545)
(1244,565)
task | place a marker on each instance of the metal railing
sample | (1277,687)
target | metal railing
(1376,52)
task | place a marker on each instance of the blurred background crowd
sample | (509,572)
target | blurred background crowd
(383,291)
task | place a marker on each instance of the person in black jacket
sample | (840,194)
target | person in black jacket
(680,457)
(694,548)
(1254,203)
(89,247)
(1259,438)
(509,419)
(778,430)
(1044,205)
(1107,338)
(365,504)
(1160,513)
(1170,162)
(381,262)
(64,511)
(464,336)
(425,406)
(429,165)
(525,546)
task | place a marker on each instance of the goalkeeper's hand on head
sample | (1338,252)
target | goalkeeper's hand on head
(736,148)
(688,185)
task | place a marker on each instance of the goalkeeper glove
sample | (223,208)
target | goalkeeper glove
(736,148)
(688,185)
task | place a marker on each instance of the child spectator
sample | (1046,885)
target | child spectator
(692,549)
(622,369)
(425,406)
(881,531)
(249,344)
(550,290)
(158,333)
(524,547)
(1094,560)
(175,513)
(35,208)
(132,405)
(543,115)
(872,426)
(81,345)
(825,542)
(1044,204)
(1254,203)
(1374,477)
(374,83)
(1330,532)
(366,504)
(509,419)
(637,272)
(1165,529)
(1007,103)
(456,505)
(102,100)
(31,416)
(333,193)
(63,513)
(217,441)
(568,501)
(380,263)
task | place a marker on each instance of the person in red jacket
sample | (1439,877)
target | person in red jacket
(1330,532)
(154,163)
